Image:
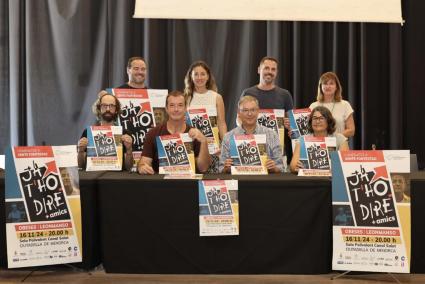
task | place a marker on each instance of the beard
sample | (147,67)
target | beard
(138,79)
(269,77)
(108,116)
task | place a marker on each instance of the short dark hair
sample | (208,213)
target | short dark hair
(268,58)
(327,115)
(175,94)
(131,59)
(96,106)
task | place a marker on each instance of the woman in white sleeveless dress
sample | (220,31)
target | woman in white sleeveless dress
(201,90)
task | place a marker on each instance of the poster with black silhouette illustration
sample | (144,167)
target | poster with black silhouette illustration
(273,119)
(314,154)
(104,149)
(205,119)
(298,120)
(249,155)
(218,208)
(371,224)
(43,221)
(175,154)
(141,110)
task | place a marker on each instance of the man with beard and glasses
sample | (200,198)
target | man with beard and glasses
(269,95)
(107,109)
(136,70)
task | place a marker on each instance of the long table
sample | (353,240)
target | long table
(146,224)
(89,215)
(151,225)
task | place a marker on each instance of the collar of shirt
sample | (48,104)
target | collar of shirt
(242,130)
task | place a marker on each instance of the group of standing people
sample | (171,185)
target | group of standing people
(330,116)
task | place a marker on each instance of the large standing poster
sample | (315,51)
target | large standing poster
(218,208)
(371,211)
(43,212)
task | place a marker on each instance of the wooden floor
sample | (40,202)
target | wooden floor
(69,275)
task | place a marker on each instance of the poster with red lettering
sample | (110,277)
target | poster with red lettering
(175,154)
(249,154)
(205,119)
(141,110)
(43,212)
(314,155)
(218,208)
(104,149)
(371,211)
(273,119)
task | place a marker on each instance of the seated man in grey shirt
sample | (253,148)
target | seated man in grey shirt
(248,110)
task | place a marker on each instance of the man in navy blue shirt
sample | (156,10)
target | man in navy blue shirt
(137,70)
(269,95)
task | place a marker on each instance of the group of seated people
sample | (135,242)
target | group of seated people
(330,116)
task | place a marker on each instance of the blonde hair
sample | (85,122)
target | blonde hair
(245,99)
(325,78)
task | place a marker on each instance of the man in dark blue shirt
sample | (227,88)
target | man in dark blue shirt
(137,70)
(266,92)
(270,96)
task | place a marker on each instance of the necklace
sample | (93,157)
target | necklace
(333,106)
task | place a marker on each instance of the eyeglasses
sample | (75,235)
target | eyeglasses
(105,106)
(318,118)
(246,110)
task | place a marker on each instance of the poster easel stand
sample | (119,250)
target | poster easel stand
(29,274)
(340,275)
(393,277)
(73,267)
(348,271)
(76,269)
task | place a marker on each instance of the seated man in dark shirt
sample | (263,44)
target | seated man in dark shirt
(107,108)
(176,123)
